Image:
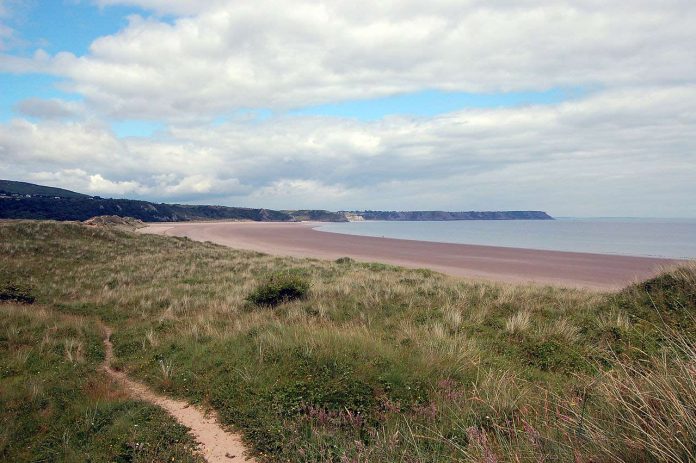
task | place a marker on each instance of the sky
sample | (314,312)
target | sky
(578,108)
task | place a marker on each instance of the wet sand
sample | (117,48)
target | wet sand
(572,269)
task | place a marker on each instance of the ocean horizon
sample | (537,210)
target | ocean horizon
(650,237)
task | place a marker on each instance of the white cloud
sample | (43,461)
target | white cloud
(268,54)
(55,143)
(625,148)
(201,185)
(99,184)
(177,7)
(162,186)
(49,109)
(626,151)
(6,32)
(83,182)
(281,194)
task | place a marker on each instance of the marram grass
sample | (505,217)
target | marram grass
(374,364)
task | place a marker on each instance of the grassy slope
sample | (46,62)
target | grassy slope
(55,406)
(378,364)
(78,206)
(24,188)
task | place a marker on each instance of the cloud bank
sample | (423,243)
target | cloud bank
(627,147)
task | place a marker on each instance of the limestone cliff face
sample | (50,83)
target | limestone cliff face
(445,215)
(353,217)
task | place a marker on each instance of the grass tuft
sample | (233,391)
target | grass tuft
(518,323)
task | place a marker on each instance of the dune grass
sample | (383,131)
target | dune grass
(56,406)
(373,363)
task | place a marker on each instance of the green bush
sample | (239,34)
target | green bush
(344,260)
(279,288)
(16,292)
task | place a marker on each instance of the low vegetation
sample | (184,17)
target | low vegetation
(55,405)
(372,363)
(115,221)
(16,292)
(278,289)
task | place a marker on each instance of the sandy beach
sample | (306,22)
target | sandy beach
(572,269)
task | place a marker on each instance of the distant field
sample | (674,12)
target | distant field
(376,364)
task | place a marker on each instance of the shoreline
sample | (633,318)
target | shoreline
(478,262)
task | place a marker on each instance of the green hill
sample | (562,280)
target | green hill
(20,200)
(9,187)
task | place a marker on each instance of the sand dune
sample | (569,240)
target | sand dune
(597,271)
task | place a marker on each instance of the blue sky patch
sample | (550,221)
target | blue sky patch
(135,128)
(64,25)
(14,88)
(430,103)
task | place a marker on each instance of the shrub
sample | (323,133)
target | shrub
(344,260)
(16,292)
(280,288)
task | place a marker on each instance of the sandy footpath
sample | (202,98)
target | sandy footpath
(597,271)
(217,445)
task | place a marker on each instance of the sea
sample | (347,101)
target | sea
(670,238)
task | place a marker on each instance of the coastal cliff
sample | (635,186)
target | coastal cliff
(21,200)
(445,215)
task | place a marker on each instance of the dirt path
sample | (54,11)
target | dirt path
(216,444)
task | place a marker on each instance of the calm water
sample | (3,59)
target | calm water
(675,238)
